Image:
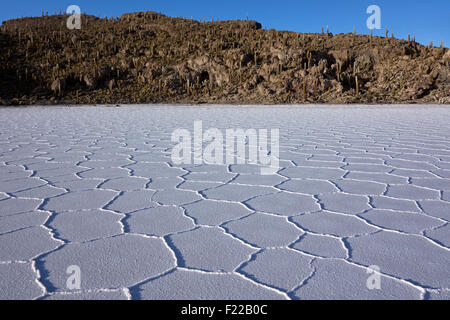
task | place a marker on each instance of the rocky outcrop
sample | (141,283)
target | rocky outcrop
(146,57)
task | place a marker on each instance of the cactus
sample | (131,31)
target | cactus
(304,89)
(309,56)
(338,70)
(387,32)
(357,85)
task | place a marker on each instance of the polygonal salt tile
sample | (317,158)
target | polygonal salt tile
(106,156)
(433,183)
(333,224)
(319,245)
(436,208)
(284,203)
(49,165)
(198,185)
(441,235)
(313,173)
(25,244)
(13,206)
(165,183)
(406,164)
(259,180)
(125,184)
(105,173)
(252,169)
(131,201)
(209,249)
(155,170)
(416,157)
(115,262)
(361,187)
(20,184)
(315,149)
(345,203)
(186,284)
(210,176)
(205,168)
(52,173)
(312,187)
(411,173)
(344,281)
(404,256)
(78,184)
(79,200)
(442,173)
(401,221)
(17,282)
(377,177)
(42,192)
(23,220)
(361,160)
(280,268)
(175,197)
(277,231)
(318,164)
(151,157)
(329,157)
(442,165)
(93,164)
(411,192)
(79,226)
(211,212)
(159,221)
(90,295)
(382,202)
(367,167)
(12,176)
(236,192)
(446,196)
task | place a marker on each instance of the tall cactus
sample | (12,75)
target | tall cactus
(309,56)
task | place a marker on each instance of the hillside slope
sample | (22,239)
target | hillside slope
(150,58)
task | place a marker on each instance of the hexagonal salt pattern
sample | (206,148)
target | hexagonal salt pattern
(95,188)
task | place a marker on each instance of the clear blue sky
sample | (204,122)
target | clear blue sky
(427,20)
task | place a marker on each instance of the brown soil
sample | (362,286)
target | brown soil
(150,58)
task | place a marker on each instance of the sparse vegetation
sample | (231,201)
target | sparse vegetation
(149,58)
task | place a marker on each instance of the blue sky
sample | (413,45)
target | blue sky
(427,20)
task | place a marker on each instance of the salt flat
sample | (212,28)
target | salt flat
(95,187)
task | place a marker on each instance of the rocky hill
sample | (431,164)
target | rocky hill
(150,58)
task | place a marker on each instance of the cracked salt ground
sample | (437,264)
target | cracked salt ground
(95,187)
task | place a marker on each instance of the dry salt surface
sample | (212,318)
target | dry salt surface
(95,187)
